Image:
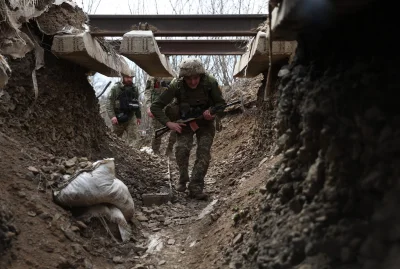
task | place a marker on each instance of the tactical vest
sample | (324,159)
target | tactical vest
(194,103)
(126,99)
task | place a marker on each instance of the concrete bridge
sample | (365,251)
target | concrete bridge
(139,43)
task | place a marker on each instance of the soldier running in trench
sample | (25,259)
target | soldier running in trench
(195,92)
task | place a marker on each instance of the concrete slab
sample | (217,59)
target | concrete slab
(256,60)
(283,18)
(85,50)
(141,48)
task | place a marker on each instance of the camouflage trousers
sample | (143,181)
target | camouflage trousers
(205,136)
(131,130)
(156,142)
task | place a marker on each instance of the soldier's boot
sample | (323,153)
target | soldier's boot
(181,186)
(183,179)
(196,190)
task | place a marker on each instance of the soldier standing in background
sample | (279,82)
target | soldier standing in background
(123,107)
(154,88)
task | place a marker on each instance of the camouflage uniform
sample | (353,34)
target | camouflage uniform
(206,94)
(114,109)
(152,92)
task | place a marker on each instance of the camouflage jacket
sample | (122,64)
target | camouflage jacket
(113,99)
(207,90)
(152,93)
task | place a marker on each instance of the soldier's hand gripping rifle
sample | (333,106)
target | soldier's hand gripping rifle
(213,110)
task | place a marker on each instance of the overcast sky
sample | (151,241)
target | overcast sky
(173,6)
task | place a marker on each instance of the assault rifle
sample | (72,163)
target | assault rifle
(213,110)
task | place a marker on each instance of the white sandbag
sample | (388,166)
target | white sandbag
(112,214)
(97,186)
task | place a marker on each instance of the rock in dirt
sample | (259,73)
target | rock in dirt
(31,213)
(33,169)
(118,259)
(262,189)
(81,224)
(70,235)
(171,241)
(71,162)
(238,239)
(140,217)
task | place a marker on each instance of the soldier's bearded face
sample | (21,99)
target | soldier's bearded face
(192,81)
(128,80)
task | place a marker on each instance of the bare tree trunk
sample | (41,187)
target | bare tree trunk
(155,4)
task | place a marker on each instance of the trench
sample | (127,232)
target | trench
(309,180)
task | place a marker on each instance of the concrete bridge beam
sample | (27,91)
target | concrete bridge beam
(86,51)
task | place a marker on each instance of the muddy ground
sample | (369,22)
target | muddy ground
(167,236)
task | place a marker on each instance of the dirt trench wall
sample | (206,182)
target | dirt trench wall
(7,229)
(266,131)
(64,118)
(333,200)
(62,115)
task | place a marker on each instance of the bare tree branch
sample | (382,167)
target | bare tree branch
(155,3)
(88,8)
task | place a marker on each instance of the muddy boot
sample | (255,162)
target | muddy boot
(181,187)
(196,191)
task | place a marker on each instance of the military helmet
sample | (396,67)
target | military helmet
(125,76)
(191,67)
